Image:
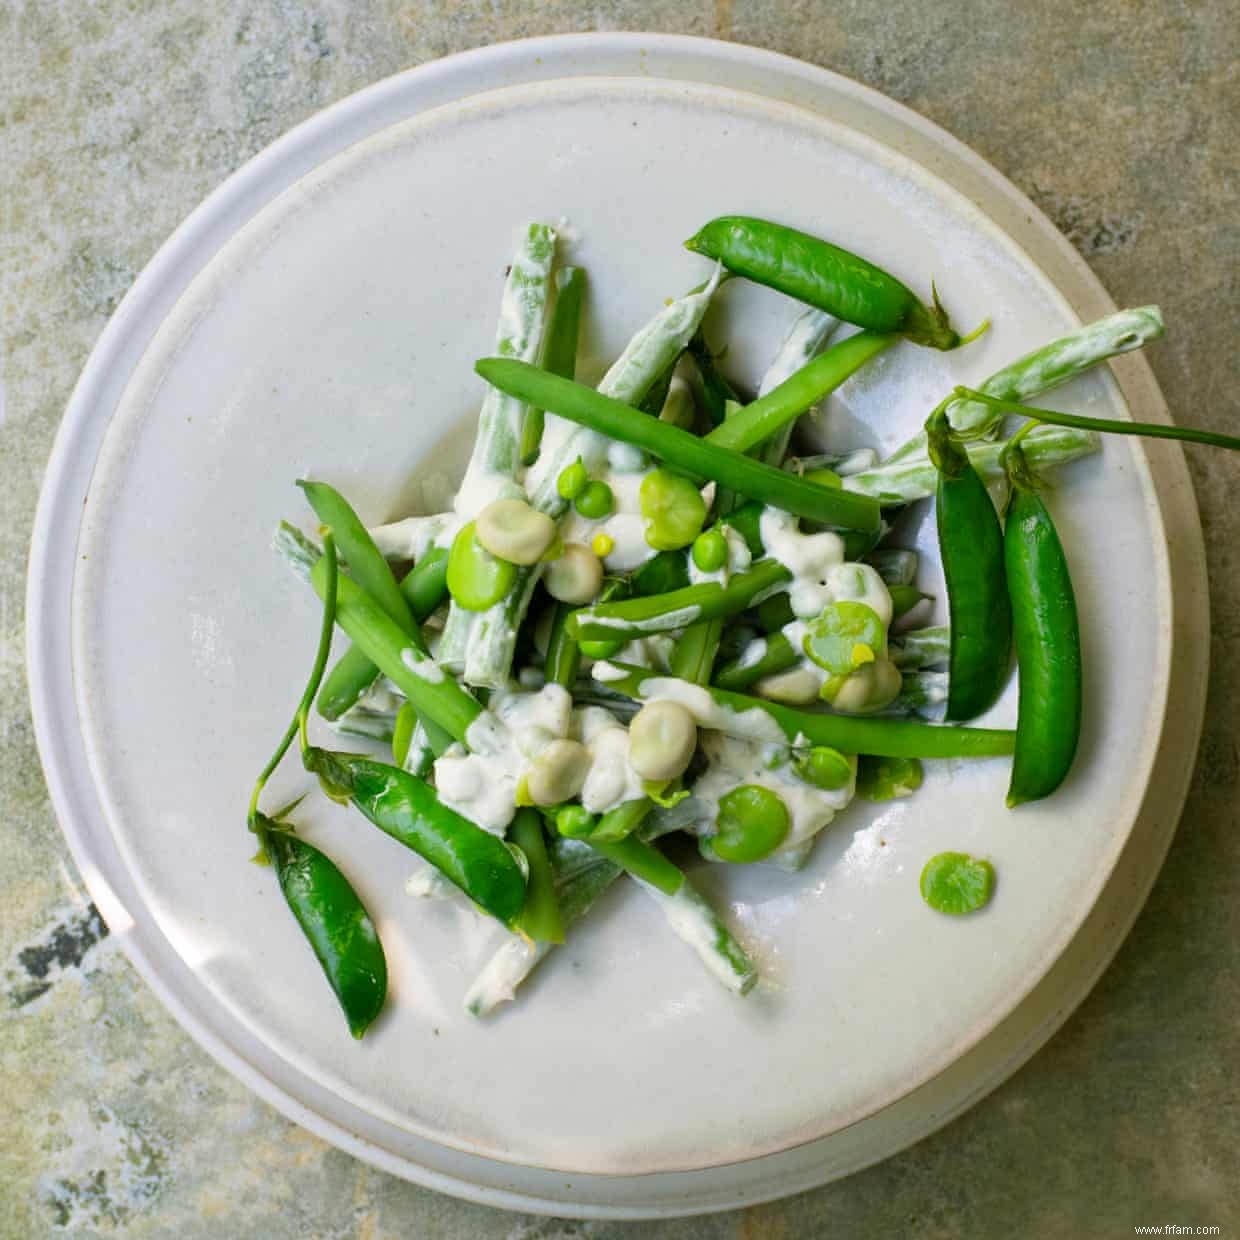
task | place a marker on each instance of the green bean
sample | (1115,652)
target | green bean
(402,734)
(1051,365)
(971,549)
(766,657)
(661,574)
(693,655)
(407,809)
(1048,641)
(424,587)
(540,918)
(906,479)
(780,407)
(897,738)
(663,613)
(620,822)
(641,861)
(1148,430)
(678,448)
(563,652)
(693,920)
(823,275)
(434,695)
(560,349)
(774,612)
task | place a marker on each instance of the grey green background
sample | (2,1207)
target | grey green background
(1121,119)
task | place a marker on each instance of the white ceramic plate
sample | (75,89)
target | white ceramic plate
(320,315)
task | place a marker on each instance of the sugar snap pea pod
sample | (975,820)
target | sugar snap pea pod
(424,587)
(1047,637)
(663,613)
(906,479)
(333,919)
(560,349)
(407,809)
(330,913)
(823,275)
(771,414)
(751,718)
(540,918)
(971,548)
(678,448)
(1049,366)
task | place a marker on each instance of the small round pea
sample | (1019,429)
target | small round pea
(602,545)
(752,824)
(956,883)
(662,738)
(574,821)
(710,551)
(672,508)
(576,576)
(825,768)
(512,530)
(572,480)
(558,773)
(595,501)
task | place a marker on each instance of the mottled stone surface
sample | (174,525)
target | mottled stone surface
(117,116)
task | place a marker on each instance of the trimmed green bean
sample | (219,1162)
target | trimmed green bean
(678,448)
(540,917)
(897,738)
(560,349)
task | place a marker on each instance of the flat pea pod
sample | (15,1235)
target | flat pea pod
(477,580)
(407,809)
(1048,646)
(333,919)
(956,883)
(971,548)
(823,275)
(559,351)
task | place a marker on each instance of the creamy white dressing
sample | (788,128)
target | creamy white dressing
(754,724)
(653,652)
(735,762)
(753,654)
(422,667)
(820,575)
(625,458)
(413,537)
(481,782)
(624,526)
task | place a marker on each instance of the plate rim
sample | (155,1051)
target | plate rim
(239,196)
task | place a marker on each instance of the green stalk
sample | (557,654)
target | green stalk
(678,448)
(1110,426)
(892,738)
